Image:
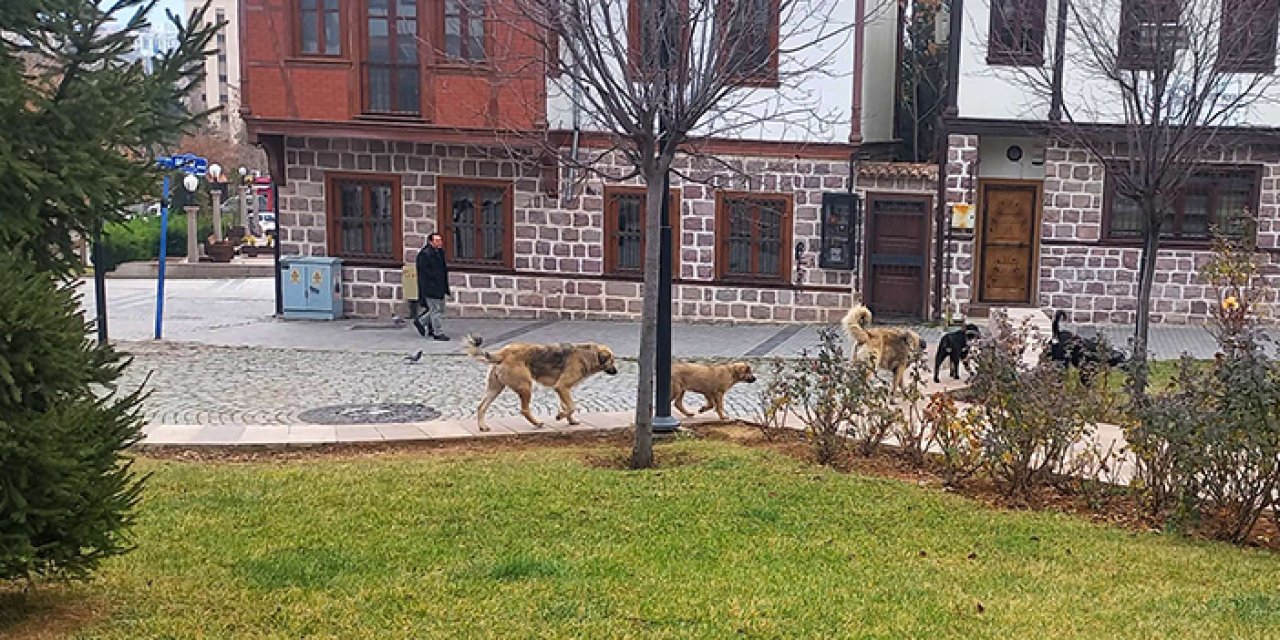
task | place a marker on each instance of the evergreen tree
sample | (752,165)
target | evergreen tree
(80,125)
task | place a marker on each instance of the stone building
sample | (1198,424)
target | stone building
(1050,230)
(373,152)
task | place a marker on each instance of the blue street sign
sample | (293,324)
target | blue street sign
(188,163)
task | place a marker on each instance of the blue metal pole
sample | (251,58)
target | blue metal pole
(164,238)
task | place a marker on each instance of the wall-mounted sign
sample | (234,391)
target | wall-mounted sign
(841,218)
(962,216)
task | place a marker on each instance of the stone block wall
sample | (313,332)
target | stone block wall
(559,240)
(962,188)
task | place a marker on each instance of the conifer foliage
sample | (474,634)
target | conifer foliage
(80,126)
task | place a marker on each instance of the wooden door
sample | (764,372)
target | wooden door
(1007,251)
(897,254)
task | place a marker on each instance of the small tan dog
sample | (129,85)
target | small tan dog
(711,380)
(892,349)
(559,366)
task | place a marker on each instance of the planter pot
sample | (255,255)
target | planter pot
(220,252)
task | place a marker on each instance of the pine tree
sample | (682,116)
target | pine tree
(80,126)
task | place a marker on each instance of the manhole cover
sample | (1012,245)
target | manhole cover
(380,413)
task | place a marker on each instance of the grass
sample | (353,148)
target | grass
(732,541)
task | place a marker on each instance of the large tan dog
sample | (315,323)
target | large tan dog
(559,366)
(892,349)
(711,380)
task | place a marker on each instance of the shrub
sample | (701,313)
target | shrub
(138,239)
(1209,447)
(66,492)
(956,434)
(1027,423)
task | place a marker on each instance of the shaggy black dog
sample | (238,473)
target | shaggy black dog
(954,345)
(1088,355)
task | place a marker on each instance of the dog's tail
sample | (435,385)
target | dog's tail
(855,323)
(472,346)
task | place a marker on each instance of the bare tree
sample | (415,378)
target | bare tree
(1155,88)
(658,75)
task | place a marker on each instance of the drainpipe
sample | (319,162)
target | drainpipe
(573,151)
(942,246)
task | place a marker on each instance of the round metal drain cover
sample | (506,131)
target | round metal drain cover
(380,413)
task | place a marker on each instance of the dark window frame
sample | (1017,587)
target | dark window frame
(640,62)
(769,76)
(1017,54)
(723,226)
(1129,52)
(319,15)
(612,194)
(1174,223)
(394,64)
(1249,55)
(445,224)
(465,18)
(333,183)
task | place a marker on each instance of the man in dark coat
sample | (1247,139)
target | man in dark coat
(433,287)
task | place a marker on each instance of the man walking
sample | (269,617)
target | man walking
(433,287)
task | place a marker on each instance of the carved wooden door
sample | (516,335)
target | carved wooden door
(1007,254)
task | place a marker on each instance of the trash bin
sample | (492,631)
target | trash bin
(312,287)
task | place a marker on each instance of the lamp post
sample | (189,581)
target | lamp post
(191,183)
(663,422)
(243,206)
(215,172)
(192,165)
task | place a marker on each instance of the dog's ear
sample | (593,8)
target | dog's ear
(604,355)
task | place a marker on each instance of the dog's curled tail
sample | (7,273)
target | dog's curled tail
(472,346)
(855,323)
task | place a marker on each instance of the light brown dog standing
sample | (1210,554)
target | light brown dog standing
(891,348)
(559,366)
(711,380)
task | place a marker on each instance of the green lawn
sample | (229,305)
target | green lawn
(539,543)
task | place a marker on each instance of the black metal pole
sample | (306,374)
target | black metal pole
(275,198)
(99,284)
(662,420)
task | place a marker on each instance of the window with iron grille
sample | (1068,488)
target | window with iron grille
(624,216)
(476,222)
(464,30)
(750,41)
(1150,33)
(1247,39)
(1214,198)
(364,218)
(1016,37)
(754,233)
(655,38)
(391,67)
(319,23)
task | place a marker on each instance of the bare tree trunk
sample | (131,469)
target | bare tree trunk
(642,450)
(1146,278)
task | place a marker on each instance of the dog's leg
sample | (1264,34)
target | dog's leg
(955,366)
(718,400)
(943,352)
(495,387)
(677,398)
(566,405)
(525,391)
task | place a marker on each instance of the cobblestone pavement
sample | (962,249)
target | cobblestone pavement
(203,385)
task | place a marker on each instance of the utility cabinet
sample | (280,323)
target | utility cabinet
(312,287)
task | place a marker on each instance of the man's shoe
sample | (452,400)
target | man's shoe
(417,324)
(440,336)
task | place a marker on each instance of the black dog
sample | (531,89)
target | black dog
(1085,354)
(954,345)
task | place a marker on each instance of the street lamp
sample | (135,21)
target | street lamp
(215,192)
(191,183)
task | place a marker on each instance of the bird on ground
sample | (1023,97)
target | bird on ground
(414,358)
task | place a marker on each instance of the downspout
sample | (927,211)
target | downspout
(1059,44)
(942,245)
(859,47)
(570,192)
